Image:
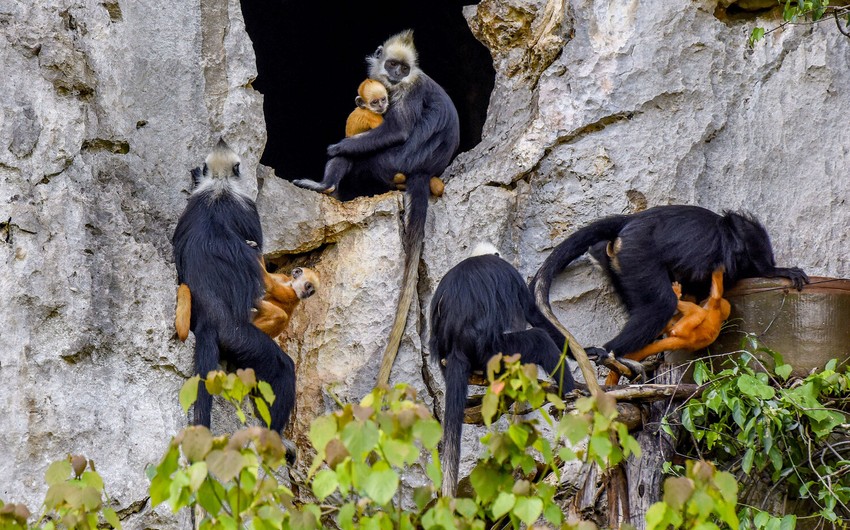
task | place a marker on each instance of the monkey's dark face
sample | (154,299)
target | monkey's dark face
(397,70)
(395,63)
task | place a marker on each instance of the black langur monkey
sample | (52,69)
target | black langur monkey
(418,139)
(225,277)
(648,250)
(482,307)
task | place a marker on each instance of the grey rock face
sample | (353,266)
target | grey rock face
(599,108)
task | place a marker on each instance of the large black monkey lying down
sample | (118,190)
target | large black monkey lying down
(482,307)
(418,138)
(223,273)
(656,247)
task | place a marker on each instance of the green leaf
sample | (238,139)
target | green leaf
(601,446)
(266,391)
(747,462)
(528,509)
(783,371)
(756,35)
(346,516)
(751,386)
(57,472)
(429,432)
(434,470)
(422,496)
(503,504)
(789,522)
(519,435)
(112,518)
(489,407)
(381,484)
(398,452)
(466,507)
(197,443)
(727,485)
(360,438)
(322,429)
(574,427)
(189,392)
(227,464)
(677,491)
(482,481)
(263,411)
(324,483)
(197,474)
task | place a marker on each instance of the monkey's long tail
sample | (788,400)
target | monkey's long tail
(564,254)
(414,235)
(457,380)
(569,250)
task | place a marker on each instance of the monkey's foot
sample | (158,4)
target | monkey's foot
(596,354)
(308,184)
(437,186)
(291,450)
(329,190)
(620,365)
(638,373)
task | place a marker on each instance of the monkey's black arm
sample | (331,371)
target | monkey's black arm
(377,139)
(398,124)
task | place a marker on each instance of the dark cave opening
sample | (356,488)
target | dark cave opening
(311,58)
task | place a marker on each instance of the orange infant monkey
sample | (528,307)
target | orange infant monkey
(695,328)
(372,102)
(283,293)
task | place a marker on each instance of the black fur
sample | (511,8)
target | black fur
(480,308)
(662,245)
(224,276)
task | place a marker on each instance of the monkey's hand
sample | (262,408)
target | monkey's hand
(795,274)
(336,149)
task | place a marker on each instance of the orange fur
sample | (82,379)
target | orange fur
(362,120)
(273,311)
(184,311)
(436,184)
(693,329)
(364,117)
(281,299)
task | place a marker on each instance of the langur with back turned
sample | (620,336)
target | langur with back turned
(482,307)
(221,282)
(418,139)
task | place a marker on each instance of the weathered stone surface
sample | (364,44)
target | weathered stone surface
(599,107)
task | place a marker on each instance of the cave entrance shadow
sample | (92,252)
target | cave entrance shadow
(311,58)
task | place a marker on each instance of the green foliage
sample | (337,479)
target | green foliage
(75,500)
(702,499)
(234,388)
(796,11)
(231,477)
(779,430)
(508,481)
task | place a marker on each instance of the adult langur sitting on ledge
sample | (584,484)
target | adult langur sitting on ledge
(418,139)
(482,307)
(685,244)
(225,278)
